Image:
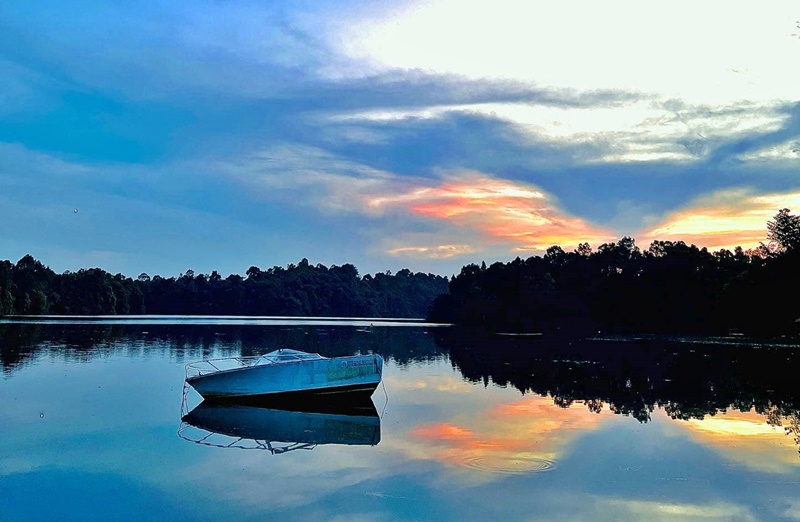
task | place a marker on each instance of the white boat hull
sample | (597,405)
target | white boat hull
(357,374)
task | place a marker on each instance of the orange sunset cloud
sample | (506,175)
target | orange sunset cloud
(501,210)
(725,219)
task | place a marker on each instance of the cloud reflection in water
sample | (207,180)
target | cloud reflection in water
(523,436)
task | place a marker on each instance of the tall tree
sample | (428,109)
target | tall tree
(783,232)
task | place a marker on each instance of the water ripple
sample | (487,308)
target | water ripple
(511,465)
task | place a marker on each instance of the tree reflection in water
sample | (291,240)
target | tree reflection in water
(22,342)
(687,378)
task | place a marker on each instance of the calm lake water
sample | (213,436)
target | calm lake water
(499,429)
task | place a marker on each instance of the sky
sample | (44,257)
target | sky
(160,137)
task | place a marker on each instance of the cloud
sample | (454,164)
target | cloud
(131,217)
(723,219)
(632,131)
(504,212)
(470,206)
(585,46)
(244,52)
(433,252)
(309,176)
(778,145)
(679,99)
(787,152)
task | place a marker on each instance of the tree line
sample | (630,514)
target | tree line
(28,287)
(670,287)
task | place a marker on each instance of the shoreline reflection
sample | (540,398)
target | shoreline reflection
(688,380)
(22,344)
(740,400)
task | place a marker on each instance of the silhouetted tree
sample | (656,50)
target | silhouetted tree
(670,287)
(783,232)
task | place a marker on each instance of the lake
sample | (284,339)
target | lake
(507,428)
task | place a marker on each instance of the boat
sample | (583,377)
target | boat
(284,374)
(281,428)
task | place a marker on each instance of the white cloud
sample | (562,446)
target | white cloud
(310,176)
(705,72)
(713,51)
(785,153)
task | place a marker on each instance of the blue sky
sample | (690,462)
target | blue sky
(208,135)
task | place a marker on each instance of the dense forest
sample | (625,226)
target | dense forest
(31,288)
(670,287)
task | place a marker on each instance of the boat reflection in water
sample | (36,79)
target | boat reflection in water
(281,427)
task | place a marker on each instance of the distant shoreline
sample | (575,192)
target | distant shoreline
(218,320)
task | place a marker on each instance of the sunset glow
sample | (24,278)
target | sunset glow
(725,219)
(516,214)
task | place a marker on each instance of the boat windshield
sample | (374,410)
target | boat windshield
(281,356)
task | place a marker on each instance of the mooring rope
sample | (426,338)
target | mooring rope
(383,384)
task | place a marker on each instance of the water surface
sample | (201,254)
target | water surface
(515,429)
